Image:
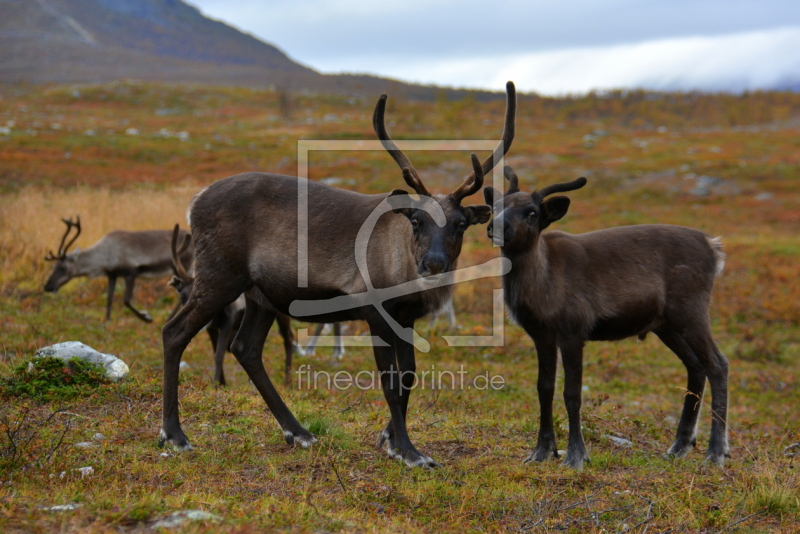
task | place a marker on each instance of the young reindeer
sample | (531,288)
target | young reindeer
(245,229)
(130,255)
(223,327)
(609,284)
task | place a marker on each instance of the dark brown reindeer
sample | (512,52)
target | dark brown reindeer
(130,255)
(245,229)
(609,284)
(223,327)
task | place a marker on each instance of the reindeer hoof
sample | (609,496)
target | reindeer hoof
(681,448)
(717,458)
(305,440)
(540,454)
(179,444)
(412,458)
(576,461)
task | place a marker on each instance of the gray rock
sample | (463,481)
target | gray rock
(177,519)
(620,442)
(115,368)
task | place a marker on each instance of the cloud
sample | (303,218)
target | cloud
(548,47)
(735,63)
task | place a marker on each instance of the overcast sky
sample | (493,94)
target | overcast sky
(551,47)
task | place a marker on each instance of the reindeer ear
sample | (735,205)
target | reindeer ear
(491,195)
(552,210)
(400,202)
(479,214)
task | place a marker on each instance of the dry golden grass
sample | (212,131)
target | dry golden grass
(30,221)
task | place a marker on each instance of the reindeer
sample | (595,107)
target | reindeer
(223,327)
(609,284)
(245,230)
(130,255)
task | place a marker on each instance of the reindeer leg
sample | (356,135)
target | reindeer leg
(572,357)
(547,355)
(130,280)
(247,347)
(451,313)
(338,350)
(407,364)
(202,306)
(716,369)
(112,286)
(396,365)
(285,328)
(686,436)
(221,339)
(312,345)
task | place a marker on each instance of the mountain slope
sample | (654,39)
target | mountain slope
(93,41)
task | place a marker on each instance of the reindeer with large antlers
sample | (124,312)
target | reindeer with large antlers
(609,284)
(245,230)
(117,254)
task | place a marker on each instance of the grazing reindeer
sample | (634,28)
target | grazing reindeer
(118,253)
(245,229)
(223,327)
(610,284)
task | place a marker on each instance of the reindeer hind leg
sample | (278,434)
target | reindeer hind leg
(201,307)
(686,435)
(247,347)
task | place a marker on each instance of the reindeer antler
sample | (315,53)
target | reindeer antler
(561,188)
(513,181)
(410,174)
(177,265)
(473,183)
(62,250)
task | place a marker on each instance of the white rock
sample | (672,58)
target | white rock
(98,437)
(84,445)
(620,442)
(115,368)
(63,507)
(177,519)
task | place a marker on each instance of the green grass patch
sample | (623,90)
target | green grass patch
(49,378)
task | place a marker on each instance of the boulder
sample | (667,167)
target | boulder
(115,368)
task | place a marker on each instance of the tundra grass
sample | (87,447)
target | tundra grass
(645,157)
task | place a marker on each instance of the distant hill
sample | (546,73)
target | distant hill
(95,41)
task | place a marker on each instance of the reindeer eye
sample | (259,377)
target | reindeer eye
(532,214)
(415,223)
(462,225)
